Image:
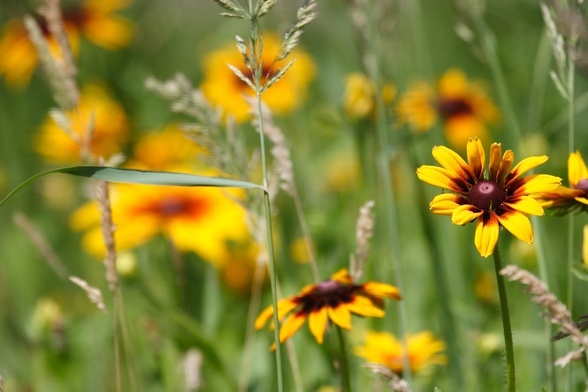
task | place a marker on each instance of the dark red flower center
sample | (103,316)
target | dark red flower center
(487,195)
(328,293)
(582,185)
(449,108)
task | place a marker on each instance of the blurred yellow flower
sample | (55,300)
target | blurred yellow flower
(334,299)
(94,19)
(200,219)
(95,129)
(463,107)
(299,251)
(238,269)
(422,350)
(224,89)
(169,149)
(576,196)
(359,98)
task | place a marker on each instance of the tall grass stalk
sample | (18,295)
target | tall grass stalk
(343,363)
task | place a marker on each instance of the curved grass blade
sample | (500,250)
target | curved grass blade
(146,177)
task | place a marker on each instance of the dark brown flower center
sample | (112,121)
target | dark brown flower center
(582,185)
(449,108)
(487,195)
(328,293)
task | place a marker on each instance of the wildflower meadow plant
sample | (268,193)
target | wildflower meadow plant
(201,215)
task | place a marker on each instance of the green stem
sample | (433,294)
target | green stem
(344,366)
(270,248)
(508,344)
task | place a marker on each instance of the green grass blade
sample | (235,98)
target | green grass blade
(132,176)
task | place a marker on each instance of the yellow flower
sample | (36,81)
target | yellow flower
(96,112)
(422,350)
(94,19)
(463,107)
(333,299)
(169,149)
(223,88)
(200,219)
(359,98)
(495,198)
(576,196)
(238,270)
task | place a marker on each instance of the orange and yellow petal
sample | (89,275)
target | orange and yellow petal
(518,224)
(440,177)
(486,236)
(526,205)
(380,290)
(364,307)
(317,322)
(291,325)
(524,166)
(284,307)
(340,315)
(465,214)
(446,203)
(451,161)
(476,157)
(537,183)
(576,168)
(342,276)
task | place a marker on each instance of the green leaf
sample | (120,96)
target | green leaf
(146,177)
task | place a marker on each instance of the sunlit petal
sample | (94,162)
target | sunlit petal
(438,176)
(291,325)
(486,235)
(451,161)
(465,214)
(364,307)
(445,203)
(476,157)
(317,322)
(381,290)
(518,224)
(576,168)
(495,160)
(342,276)
(505,164)
(527,205)
(536,183)
(340,315)
(524,166)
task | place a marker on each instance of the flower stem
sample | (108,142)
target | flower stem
(344,366)
(508,345)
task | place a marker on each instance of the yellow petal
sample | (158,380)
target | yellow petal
(495,153)
(284,307)
(518,224)
(505,164)
(527,205)
(342,276)
(486,235)
(465,214)
(340,315)
(445,203)
(291,326)
(438,176)
(317,321)
(380,290)
(476,157)
(451,161)
(364,307)
(537,183)
(576,168)
(524,166)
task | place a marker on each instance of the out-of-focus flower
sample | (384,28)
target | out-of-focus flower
(200,219)
(463,107)
(333,299)
(359,99)
(126,264)
(238,270)
(422,351)
(485,287)
(47,315)
(169,149)
(496,197)
(299,251)
(576,196)
(93,19)
(223,88)
(97,128)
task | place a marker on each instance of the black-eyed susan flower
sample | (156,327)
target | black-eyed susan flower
(202,220)
(464,108)
(94,19)
(567,199)
(97,128)
(492,196)
(383,348)
(333,299)
(359,98)
(224,89)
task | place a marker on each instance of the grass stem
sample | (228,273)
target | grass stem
(344,365)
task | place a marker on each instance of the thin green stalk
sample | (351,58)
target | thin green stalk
(270,248)
(508,344)
(344,366)
(383,165)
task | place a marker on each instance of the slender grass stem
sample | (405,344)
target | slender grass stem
(270,249)
(505,313)
(344,365)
